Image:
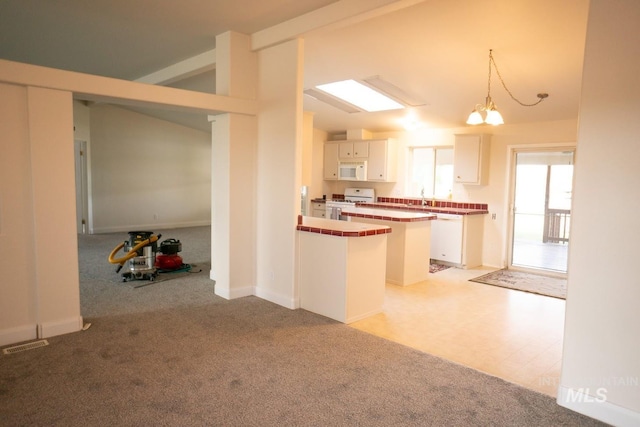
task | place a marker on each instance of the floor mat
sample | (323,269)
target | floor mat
(527,282)
(434,268)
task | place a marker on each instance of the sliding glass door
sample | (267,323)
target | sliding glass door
(541,209)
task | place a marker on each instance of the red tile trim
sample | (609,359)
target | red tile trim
(385,218)
(454,208)
(337,233)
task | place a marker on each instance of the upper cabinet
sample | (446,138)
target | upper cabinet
(380,155)
(353,150)
(330,161)
(382,162)
(471,159)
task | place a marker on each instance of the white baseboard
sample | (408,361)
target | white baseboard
(597,407)
(152,227)
(19,334)
(230,293)
(275,298)
(66,326)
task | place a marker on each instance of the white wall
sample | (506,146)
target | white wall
(147,173)
(40,293)
(234,174)
(279,171)
(601,356)
(17,309)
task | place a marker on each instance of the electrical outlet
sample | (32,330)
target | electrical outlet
(155,216)
(493,216)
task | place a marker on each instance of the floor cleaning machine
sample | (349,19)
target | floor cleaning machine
(142,259)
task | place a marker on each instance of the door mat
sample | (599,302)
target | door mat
(527,282)
(434,268)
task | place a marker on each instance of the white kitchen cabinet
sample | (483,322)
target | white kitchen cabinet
(471,159)
(318,209)
(342,278)
(382,161)
(457,239)
(407,246)
(380,154)
(353,150)
(330,160)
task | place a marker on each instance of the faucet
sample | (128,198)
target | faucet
(424,202)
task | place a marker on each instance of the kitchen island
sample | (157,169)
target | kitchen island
(408,247)
(341,267)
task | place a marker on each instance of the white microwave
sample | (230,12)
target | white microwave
(352,171)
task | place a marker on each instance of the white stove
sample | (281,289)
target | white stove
(351,197)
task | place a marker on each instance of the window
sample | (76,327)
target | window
(431,171)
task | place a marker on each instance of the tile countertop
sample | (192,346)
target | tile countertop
(454,208)
(361,211)
(413,205)
(339,228)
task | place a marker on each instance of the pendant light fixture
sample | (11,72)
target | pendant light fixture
(493,116)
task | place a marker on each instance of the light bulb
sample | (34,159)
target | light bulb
(494,117)
(474,118)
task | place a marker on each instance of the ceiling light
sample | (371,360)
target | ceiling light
(411,121)
(360,95)
(493,116)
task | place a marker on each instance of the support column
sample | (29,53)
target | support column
(233,175)
(53,189)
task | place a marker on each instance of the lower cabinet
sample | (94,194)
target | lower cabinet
(318,209)
(457,239)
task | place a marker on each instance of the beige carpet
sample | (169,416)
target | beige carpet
(175,354)
(527,282)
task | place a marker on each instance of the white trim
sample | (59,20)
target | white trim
(52,329)
(591,407)
(154,226)
(19,334)
(229,293)
(283,300)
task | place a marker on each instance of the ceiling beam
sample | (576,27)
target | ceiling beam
(195,65)
(335,15)
(124,92)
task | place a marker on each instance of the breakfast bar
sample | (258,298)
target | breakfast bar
(341,267)
(408,248)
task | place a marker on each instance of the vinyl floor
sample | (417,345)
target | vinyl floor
(514,335)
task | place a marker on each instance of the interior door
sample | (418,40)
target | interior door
(541,209)
(82,204)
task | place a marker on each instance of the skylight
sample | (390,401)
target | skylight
(360,95)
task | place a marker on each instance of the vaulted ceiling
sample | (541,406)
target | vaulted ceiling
(435,50)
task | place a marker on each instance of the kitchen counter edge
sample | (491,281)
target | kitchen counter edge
(425,209)
(339,228)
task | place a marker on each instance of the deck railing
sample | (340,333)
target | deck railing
(556,226)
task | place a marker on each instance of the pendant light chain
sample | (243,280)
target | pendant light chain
(489,80)
(541,96)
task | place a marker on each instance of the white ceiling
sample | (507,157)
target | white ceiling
(436,50)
